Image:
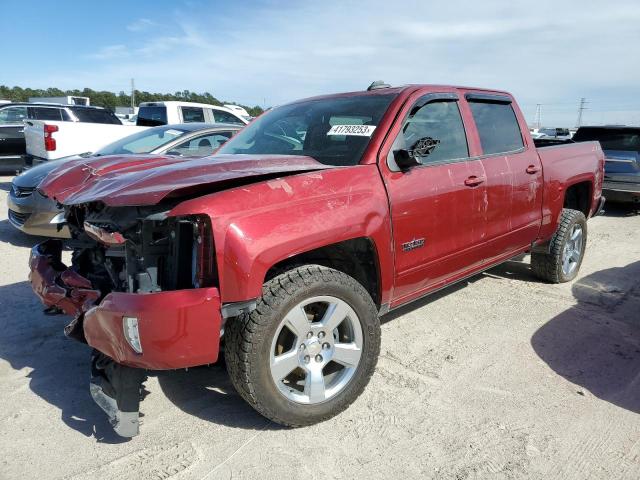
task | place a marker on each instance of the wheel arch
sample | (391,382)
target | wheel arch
(357,257)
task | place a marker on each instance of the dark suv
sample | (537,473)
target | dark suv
(621,147)
(13,115)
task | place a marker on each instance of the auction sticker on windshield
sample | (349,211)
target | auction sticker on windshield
(356,130)
(173,132)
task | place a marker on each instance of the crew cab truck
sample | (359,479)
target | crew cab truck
(316,219)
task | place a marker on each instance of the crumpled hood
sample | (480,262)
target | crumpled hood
(148,179)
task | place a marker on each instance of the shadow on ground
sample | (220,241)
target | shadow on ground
(207,393)
(10,234)
(59,367)
(59,372)
(619,210)
(596,344)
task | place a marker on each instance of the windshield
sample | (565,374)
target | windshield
(626,139)
(142,142)
(333,131)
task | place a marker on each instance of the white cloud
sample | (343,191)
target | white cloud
(141,25)
(544,52)
(110,52)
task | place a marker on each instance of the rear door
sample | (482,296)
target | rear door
(514,175)
(12,144)
(438,207)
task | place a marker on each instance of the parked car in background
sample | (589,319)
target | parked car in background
(51,140)
(621,145)
(315,219)
(152,114)
(559,133)
(13,116)
(37,215)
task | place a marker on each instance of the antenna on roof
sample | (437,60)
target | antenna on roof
(378,84)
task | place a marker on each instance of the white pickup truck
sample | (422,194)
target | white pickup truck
(51,140)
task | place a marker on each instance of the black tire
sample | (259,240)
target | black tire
(249,338)
(548,266)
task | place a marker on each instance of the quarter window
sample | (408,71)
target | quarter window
(497,126)
(434,133)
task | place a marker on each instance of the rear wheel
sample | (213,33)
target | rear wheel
(566,249)
(308,350)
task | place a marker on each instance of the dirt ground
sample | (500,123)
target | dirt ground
(498,377)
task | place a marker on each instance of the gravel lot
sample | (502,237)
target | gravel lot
(498,377)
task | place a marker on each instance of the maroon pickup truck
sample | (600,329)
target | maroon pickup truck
(288,244)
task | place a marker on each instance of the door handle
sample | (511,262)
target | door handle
(474,181)
(531,169)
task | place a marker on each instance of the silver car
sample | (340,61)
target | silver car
(35,214)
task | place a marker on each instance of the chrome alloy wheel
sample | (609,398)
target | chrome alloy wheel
(572,252)
(316,350)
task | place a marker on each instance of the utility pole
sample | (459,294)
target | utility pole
(581,108)
(133,97)
(538,120)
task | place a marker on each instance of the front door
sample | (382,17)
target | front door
(438,207)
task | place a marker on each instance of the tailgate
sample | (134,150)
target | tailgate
(34,138)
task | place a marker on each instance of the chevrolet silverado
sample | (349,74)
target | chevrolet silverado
(317,218)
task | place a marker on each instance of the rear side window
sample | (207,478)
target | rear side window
(221,116)
(201,146)
(192,114)
(497,126)
(43,113)
(152,116)
(94,115)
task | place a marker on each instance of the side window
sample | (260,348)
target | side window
(203,145)
(192,114)
(220,116)
(497,126)
(44,113)
(13,115)
(434,132)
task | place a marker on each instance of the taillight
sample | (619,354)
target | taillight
(49,141)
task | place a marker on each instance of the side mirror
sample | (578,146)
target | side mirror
(405,159)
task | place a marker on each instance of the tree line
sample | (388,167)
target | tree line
(111,100)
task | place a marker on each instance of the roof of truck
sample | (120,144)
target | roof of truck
(389,90)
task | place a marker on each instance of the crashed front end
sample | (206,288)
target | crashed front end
(141,290)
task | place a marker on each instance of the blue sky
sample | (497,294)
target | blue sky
(270,52)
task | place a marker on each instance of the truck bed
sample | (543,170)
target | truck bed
(72,138)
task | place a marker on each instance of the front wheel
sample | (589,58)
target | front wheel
(566,249)
(309,348)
